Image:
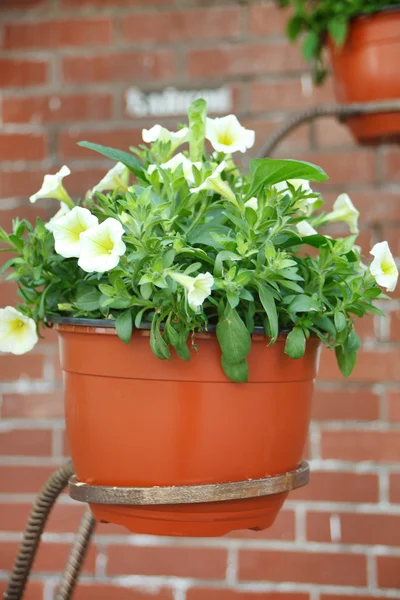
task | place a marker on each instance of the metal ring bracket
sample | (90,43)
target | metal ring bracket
(190,494)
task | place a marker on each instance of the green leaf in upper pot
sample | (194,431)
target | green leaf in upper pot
(268,302)
(346,354)
(197,128)
(310,45)
(124,325)
(88,298)
(125,158)
(303,303)
(338,28)
(295,343)
(268,171)
(157,342)
(238,372)
(233,336)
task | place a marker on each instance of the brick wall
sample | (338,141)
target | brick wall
(64,68)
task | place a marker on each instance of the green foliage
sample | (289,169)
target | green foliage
(316,19)
(262,274)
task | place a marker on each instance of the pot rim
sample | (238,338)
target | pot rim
(110,324)
(394,8)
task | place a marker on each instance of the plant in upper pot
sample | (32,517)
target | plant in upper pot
(362,38)
(190,246)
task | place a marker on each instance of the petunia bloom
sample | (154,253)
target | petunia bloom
(102,247)
(252,203)
(17,332)
(305,229)
(173,164)
(116,178)
(67,231)
(63,210)
(383,267)
(160,134)
(197,288)
(215,183)
(227,135)
(52,187)
(345,211)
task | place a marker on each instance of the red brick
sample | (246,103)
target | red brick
(218,594)
(330,133)
(35,442)
(50,557)
(33,591)
(394,406)
(16,72)
(392,165)
(56,34)
(26,480)
(131,67)
(266,19)
(244,59)
(56,108)
(346,166)
(333,486)
(372,366)
(118,138)
(14,184)
(14,367)
(302,567)
(390,233)
(388,571)
(8,290)
(22,146)
(395,488)
(264,128)
(355,528)
(86,591)
(285,94)
(201,563)
(64,518)
(22,212)
(33,406)
(378,446)
(182,25)
(345,404)
(283,529)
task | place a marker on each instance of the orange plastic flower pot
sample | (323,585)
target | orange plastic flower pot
(134,420)
(366,69)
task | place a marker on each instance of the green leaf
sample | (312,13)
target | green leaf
(88,300)
(237,372)
(233,336)
(325,324)
(303,303)
(157,343)
(340,321)
(268,171)
(346,354)
(268,302)
(123,325)
(338,28)
(295,343)
(197,128)
(125,158)
(311,45)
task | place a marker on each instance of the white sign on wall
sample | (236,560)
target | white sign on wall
(171,102)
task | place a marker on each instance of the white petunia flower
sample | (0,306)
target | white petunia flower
(63,210)
(67,231)
(173,164)
(252,203)
(215,183)
(227,135)
(17,332)
(302,184)
(197,288)
(305,229)
(383,267)
(116,178)
(160,134)
(345,211)
(52,187)
(102,247)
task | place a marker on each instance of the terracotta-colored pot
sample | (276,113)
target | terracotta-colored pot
(366,69)
(134,420)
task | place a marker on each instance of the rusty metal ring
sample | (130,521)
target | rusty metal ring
(190,494)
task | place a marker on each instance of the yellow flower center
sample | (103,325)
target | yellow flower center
(17,326)
(106,244)
(226,138)
(388,267)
